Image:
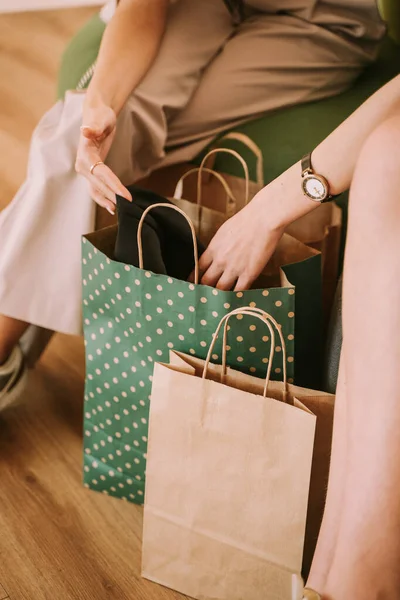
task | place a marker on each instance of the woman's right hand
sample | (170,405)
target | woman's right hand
(97,134)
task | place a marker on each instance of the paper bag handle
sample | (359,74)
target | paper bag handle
(200,170)
(255,149)
(269,321)
(192,229)
(253,310)
(239,158)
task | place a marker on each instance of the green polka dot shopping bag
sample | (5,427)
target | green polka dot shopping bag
(133,318)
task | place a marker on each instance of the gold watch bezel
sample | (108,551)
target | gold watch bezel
(322,180)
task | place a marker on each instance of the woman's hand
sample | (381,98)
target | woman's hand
(241,248)
(97,134)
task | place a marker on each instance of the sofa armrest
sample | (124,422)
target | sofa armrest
(390,11)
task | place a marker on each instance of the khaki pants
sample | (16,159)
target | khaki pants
(230,74)
(210,74)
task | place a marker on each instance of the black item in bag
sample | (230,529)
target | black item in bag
(166,236)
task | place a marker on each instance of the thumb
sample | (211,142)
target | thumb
(95,132)
(99,124)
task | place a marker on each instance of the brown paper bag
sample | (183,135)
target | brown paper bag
(321,404)
(164,181)
(244,189)
(322,230)
(228,473)
(212,193)
(206,220)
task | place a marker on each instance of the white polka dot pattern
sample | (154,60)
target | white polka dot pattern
(135,320)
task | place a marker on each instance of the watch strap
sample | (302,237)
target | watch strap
(306,166)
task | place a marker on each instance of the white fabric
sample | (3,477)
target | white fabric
(37,219)
(108,10)
(47,217)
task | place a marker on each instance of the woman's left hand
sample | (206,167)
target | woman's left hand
(241,248)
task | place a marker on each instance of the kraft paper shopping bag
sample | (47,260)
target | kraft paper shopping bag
(320,403)
(228,477)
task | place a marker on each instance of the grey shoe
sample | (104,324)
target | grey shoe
(33,343)
(13,379)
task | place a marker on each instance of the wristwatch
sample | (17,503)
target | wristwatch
(314,186)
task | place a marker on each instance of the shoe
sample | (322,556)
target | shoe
(33,343)
(13,378)
(309,594)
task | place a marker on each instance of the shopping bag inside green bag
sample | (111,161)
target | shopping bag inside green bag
(133,317)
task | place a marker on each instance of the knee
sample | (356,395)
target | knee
(383,143)
(376,182)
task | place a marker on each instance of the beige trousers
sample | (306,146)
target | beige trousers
(229,75)
(210,75)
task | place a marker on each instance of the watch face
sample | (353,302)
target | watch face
(315,187)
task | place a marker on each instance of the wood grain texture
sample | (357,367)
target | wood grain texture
(31,45)
(3,593)
(58,541)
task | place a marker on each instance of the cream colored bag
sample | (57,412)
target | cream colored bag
(206,220)
(245,189)
(228,474)
(322,229)
(164,180)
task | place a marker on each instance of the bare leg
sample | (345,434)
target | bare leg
(367,552)
(11,331)
(330,525)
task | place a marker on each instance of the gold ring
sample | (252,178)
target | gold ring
(92,168)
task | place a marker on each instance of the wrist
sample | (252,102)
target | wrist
(321,164)
(282,201)
(96,101)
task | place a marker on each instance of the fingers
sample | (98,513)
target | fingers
(102,178)
(95,141)
(99,124)
(205,260)
(222,277)
(112,182)
(94,133)
(98,184)
(108,183)
(102,201)
(212,275)
(227,281)
(244,283)
(209,271)
(204,263)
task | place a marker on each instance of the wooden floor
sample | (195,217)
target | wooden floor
(57,540)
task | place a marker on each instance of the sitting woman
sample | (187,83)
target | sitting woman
(170,76)
(358,551)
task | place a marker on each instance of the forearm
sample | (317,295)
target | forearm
(129,47)
(335,158)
